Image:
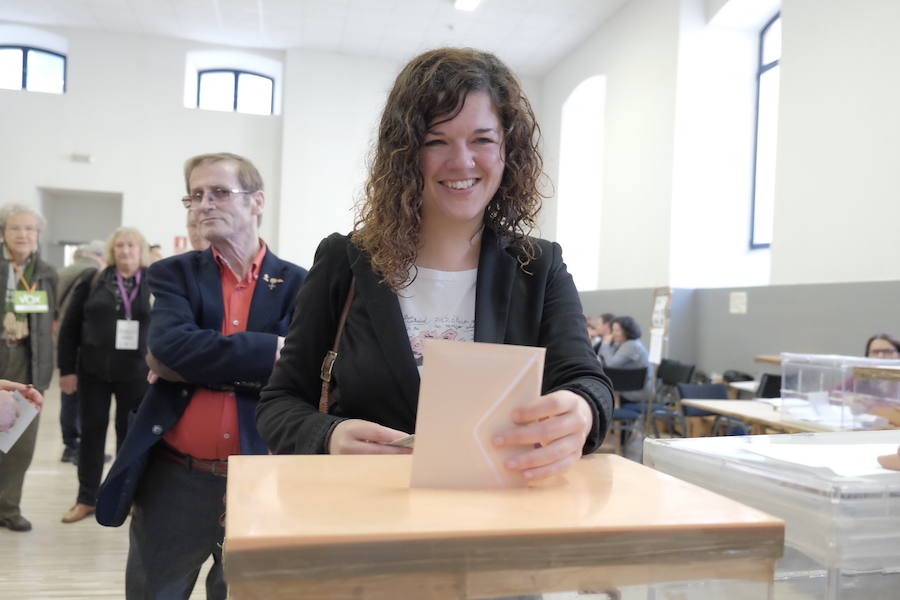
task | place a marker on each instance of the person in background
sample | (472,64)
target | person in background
(882,345)
(214,336)
(599,329)
(624,350)
(155,253)
(441,244)
(195,236)
(87,256)
(102,343)
(26,340)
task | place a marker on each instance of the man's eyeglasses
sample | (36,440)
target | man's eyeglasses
(216,195)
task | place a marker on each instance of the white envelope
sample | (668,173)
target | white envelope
(468,393)
(27,411)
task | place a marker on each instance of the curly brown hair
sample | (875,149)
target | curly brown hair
(434,85)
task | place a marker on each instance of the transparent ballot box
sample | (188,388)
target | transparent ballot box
(840,392)
(840,507)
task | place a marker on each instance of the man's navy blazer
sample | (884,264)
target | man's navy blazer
(185,335)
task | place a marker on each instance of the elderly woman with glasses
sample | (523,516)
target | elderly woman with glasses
(102,344)
(26,340)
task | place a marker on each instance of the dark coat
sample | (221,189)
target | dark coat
(40,325)
(87,337)
(375,375)
(185,335)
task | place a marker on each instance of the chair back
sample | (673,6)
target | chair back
(706,391)
(627,380)
(671,372)
(769,386)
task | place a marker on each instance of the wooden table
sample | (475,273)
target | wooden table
(350,527)
(884,373)
(771,359)
(760,415)
(744,387)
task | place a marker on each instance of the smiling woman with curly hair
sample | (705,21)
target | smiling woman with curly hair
(441,249)
(431,90)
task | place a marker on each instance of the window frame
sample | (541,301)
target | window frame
(235,73)
(25,50)
(761,69)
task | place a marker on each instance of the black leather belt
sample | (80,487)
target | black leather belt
(215,467)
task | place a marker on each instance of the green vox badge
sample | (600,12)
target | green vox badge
(30,302)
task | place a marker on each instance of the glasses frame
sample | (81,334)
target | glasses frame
(192,199)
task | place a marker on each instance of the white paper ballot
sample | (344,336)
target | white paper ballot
(846,460)
(27,411)
(468,394)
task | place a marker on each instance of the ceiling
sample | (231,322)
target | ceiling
(530,35)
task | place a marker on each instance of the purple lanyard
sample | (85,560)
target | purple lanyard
(127,299)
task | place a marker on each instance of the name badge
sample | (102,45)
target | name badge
(30,302)
(127,334)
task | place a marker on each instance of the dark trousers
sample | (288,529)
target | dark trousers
(94,399)
(69,421)
(174,530)
(15,364)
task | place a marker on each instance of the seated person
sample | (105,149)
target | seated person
(881,345)
(623,349)
(598,329)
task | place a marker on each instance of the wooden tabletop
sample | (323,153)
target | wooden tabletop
(749,387)
(756,412)
(330,526)
(772,359)
(885,373)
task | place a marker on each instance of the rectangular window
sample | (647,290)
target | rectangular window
(45,72)
(768,72)
(11,68)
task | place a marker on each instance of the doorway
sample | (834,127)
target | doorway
(75,217)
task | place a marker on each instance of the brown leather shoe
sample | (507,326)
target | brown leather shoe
(17,523)
(77,513)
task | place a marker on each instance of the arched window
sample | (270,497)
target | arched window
(32,69)
(767,77)
(234,90)
(581,180)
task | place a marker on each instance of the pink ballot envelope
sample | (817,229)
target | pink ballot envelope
(468,393)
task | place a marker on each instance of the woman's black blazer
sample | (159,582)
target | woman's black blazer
(87,336)
(375,375)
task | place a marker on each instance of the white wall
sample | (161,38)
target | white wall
(636,50)
(332,104)
(123,106)
(837,204)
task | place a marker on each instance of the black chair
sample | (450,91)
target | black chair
(712,391)
(769,386)
(664,402)
(624,417)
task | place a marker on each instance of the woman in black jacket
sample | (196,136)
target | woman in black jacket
(102,343)
(441,249)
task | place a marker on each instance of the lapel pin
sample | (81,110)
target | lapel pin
(272,281)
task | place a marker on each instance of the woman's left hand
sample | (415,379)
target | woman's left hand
(556,427)
(27,390)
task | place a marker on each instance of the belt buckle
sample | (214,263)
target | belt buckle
(218,468)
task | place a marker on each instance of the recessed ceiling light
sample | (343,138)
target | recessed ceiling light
(469,5)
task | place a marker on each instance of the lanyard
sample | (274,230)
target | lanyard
(127,299)
(21,275)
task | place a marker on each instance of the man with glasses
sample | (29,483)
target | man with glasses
(215,333)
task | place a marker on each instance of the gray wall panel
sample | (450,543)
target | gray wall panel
(816,318)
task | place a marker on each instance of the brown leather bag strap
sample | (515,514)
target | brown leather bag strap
(331,356)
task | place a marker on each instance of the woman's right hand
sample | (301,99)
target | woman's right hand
(68,383)
(356,436)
